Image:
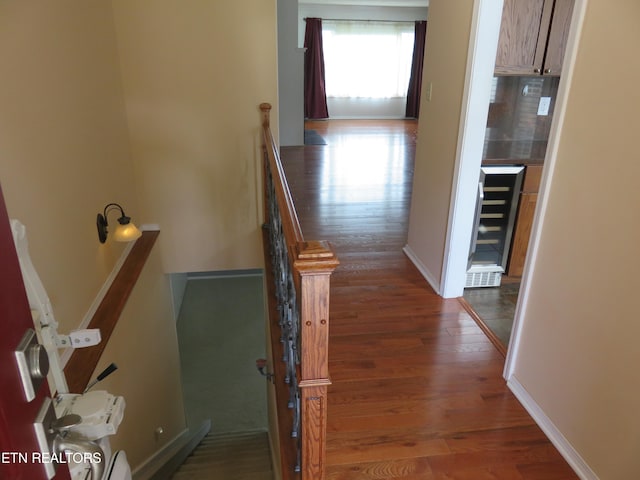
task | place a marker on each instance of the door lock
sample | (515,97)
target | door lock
(33,363)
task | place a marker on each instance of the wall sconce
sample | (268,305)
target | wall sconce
(126,231)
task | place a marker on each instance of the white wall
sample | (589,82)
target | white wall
(366,107)
(290,75)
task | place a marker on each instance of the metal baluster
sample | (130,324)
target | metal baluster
(287,305)
(287,347)
(298,436)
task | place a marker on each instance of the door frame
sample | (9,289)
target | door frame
(571,52)
(483,40)
(481,58)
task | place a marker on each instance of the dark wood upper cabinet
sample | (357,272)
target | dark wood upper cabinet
(533,37)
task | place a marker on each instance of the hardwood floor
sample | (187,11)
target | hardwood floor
(417,387)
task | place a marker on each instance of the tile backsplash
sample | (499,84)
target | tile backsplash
(517,128)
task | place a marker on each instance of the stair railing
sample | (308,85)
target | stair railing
(298,276)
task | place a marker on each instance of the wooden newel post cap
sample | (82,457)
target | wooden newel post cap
(315,255)
(265,108)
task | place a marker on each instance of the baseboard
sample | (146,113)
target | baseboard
(252,272)
(167,460)
(178,285)
(422,269)
(369,117)
(556,437)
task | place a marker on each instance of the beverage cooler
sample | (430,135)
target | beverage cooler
(496,207)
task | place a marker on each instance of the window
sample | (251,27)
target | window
(367,59)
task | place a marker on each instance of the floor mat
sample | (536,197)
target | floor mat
(311,137)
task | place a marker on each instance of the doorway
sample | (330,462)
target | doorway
(516,139)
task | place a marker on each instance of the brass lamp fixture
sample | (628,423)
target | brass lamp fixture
(126,231)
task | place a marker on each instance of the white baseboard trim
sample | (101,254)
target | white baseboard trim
(424,271)
(556,437)
(166,460)
(252,272)
(178,285)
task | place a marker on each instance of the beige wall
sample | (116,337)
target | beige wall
(64,148)
(194,74)
(64,154)
(144,346)
(579,352)
(445,64)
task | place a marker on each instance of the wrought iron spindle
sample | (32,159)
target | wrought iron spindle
(288,309)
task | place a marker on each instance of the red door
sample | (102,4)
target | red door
(17,434)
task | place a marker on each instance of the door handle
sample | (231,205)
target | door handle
(56,439)
(69,442)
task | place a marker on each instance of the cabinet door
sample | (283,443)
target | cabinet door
(558,34)
(524,221)
(521,235)
(523,36)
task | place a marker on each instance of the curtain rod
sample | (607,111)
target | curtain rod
(360,20)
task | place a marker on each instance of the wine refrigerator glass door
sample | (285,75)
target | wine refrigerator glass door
(495,216)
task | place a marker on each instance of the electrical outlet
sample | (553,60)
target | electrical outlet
(543,106)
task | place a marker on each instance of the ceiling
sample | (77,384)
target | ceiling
(371,3)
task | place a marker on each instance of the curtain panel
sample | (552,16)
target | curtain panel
(415,81)
(315,96)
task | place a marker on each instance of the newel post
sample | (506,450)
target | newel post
(315,262)
(265,108)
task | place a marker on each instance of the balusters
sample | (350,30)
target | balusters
(299,309)
(288,310)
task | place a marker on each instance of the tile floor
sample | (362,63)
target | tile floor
(496,307)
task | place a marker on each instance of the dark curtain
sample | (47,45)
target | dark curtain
(315,96)
(415,80)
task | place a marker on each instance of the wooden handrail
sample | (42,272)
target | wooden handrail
(300,307)
(83,361)
(290,221)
